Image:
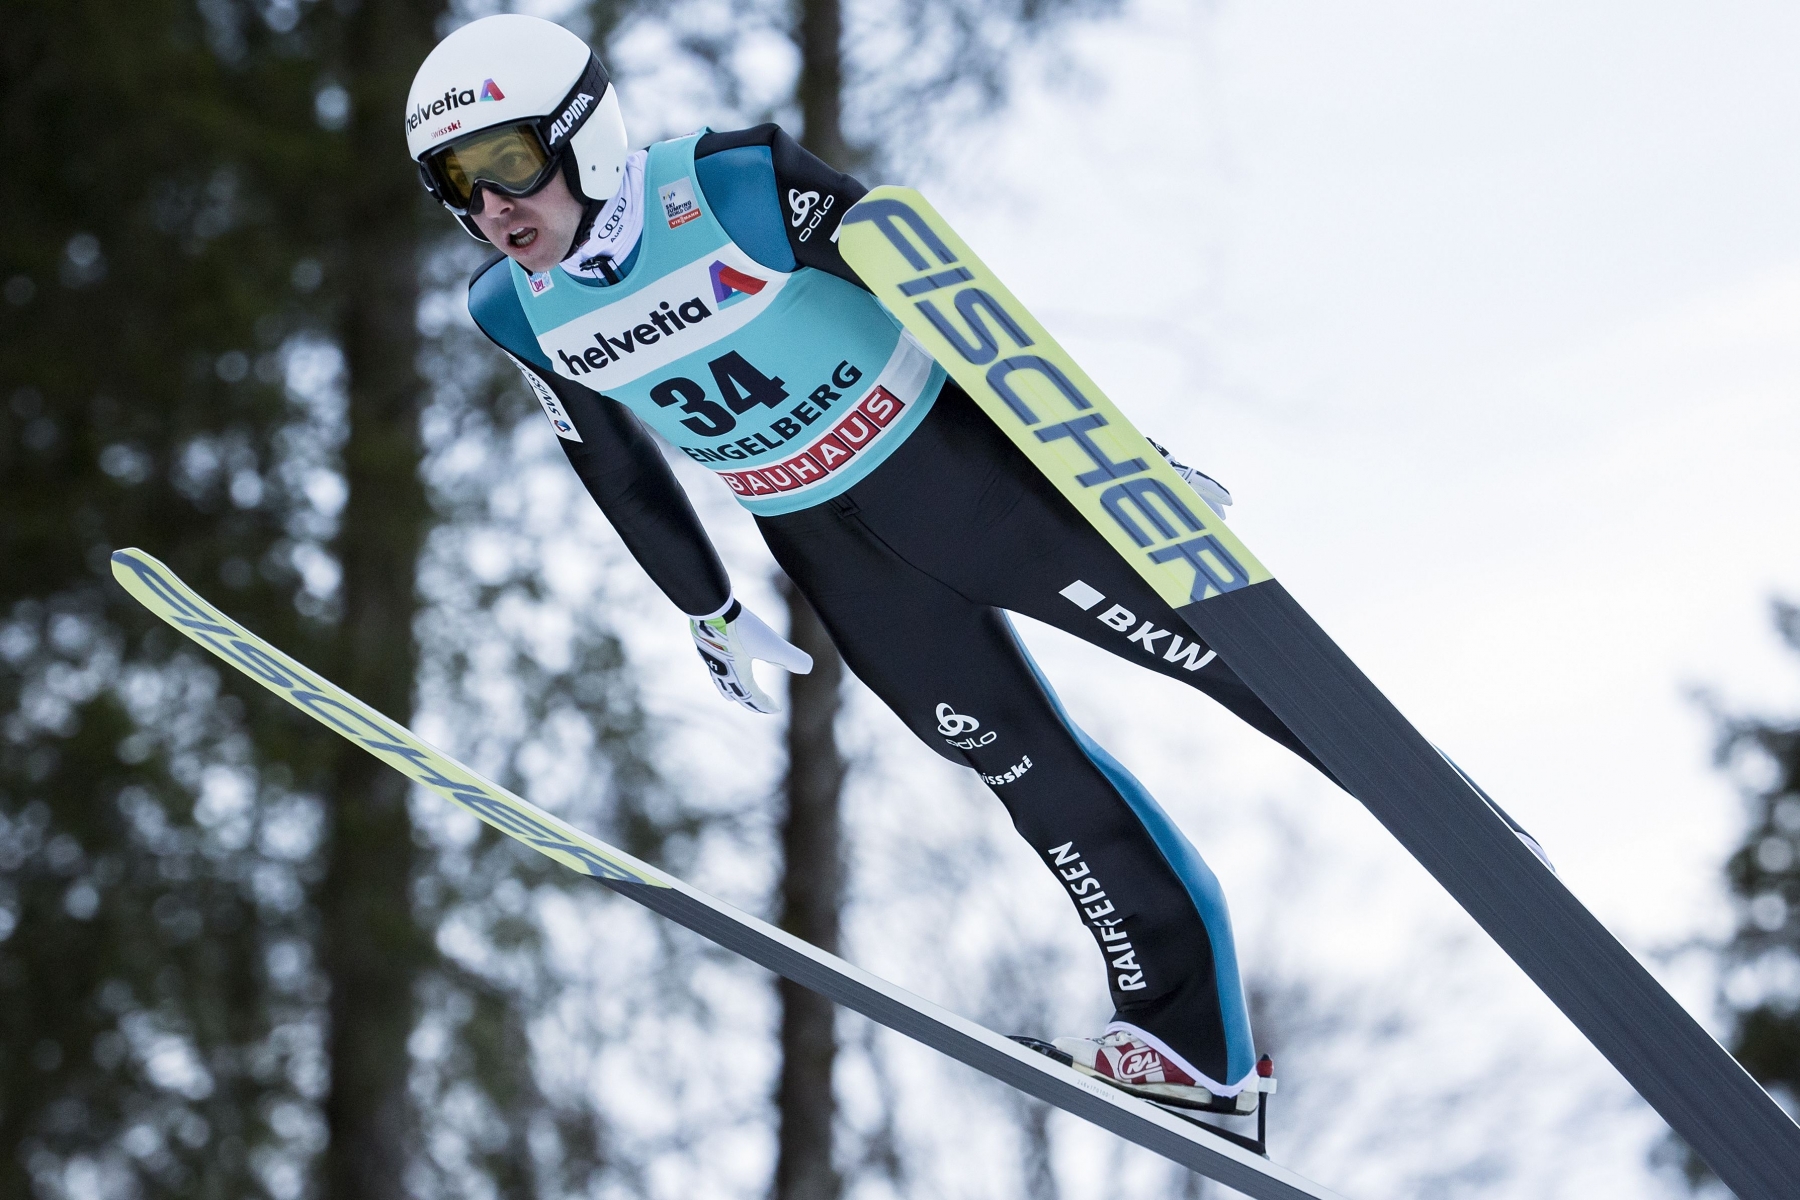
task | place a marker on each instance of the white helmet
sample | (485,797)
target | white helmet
(502,103)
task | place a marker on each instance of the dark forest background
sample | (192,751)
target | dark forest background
(237,959)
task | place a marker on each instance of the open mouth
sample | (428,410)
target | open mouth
(521,237)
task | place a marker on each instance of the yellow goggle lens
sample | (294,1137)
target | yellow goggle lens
(511,157)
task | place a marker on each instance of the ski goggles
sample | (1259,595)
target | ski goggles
(516,159)
(511,159)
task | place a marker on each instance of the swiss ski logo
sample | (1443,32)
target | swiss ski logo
(678,202)
(491,91)
(731,285)
(1010,774)
(553,409)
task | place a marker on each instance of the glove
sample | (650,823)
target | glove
(1204,485)
(730,641)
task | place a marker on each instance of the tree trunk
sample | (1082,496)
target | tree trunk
(820,89)
(373,948)
(812,898)
(812,884)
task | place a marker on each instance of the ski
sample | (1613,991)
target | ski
(978,331)
(1231,1159)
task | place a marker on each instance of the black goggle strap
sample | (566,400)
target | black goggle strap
(567,118)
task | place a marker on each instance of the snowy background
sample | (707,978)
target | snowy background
(1490,318)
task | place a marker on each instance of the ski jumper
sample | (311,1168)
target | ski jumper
(912,525)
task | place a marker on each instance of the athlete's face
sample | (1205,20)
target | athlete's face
(534,231)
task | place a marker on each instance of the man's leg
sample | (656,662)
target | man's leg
(1095,595)
(962,504)
(954,672)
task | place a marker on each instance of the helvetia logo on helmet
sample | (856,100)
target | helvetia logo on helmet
(570,115)
(454,98)
(451,99)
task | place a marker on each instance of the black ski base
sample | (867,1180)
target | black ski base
(1378,757)
(1256,1145)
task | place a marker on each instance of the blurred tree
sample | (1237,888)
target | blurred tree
(220,958)
(159,992)
(1762,960)
(373,951)
(1760,963)
(223,962)
(812,851)
(811,906)
(813,885)
(898,75)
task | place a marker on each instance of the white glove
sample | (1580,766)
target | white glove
(730,641)
(1208,488)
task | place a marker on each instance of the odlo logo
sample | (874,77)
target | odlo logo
(802,204)
(565,123)
(952,723)
(451,99)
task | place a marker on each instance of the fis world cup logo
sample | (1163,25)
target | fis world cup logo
(452,99)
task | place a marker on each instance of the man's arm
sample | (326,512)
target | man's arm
(624,471)
(616,458)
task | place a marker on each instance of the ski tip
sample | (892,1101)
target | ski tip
(130,558)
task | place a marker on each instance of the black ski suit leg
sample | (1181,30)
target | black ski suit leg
(1086,589)
(961,502)
(952,669)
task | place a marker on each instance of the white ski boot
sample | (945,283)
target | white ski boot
(1137,1062)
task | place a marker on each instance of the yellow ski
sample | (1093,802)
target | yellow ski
(159,589)
(992,345)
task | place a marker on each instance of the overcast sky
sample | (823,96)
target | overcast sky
(1491,319)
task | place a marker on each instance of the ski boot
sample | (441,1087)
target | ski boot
(1124,1057)
(1127,1058)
